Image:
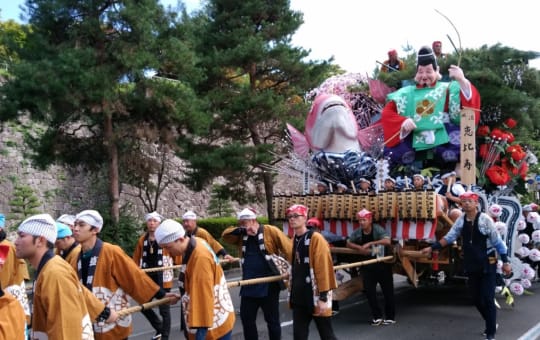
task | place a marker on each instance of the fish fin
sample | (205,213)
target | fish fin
(300,143)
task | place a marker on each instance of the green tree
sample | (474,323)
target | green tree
(508,86)
(509,89)
(255,81)
(12,38)
(84,72)
(220,204)
(23,204)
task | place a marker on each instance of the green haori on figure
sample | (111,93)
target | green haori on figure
(425,106)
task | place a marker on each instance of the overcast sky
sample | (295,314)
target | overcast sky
(359,33)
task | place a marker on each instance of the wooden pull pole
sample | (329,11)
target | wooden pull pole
(148,305)
(155,303)
(160,269)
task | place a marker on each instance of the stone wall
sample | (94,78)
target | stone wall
(70,190)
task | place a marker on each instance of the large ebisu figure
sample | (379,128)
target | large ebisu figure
(421,121)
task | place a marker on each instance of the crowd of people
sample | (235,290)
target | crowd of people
(82,284)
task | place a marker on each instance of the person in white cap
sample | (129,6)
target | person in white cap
(12,317)
(66,245)
(322,187)
(209,310)
(67,219)
(59,304)
(341,188)
(189,222)
(450,190)
(365,186)
(419,182)
(148,254)
(111,275)
(15,272)
(256,242)
(389,184)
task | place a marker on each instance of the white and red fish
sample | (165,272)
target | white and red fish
(330,127)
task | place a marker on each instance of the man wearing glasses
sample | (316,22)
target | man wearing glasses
(312,278)
(257,242)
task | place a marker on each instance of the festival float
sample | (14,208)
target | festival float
(343,144)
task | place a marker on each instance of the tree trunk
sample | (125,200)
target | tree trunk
(268,191)
(114,186)
(267,177)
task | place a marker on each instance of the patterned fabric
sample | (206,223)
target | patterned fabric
(486,226)
(277,264)
(426,107)
(12,318)
(88,281)
(411,229)
(399,148)
(116,278)
(322,276)
(397,229)
(12,277)
(207,302)
(166,260)
(92,217)
(40,225)
(344,167)
(71,255)
(275,241)
(282,267)
(169,231)
(205,235)
(59,308)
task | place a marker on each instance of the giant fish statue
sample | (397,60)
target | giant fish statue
(332,138)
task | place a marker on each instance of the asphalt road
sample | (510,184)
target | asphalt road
(434,312)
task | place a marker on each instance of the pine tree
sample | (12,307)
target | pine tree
(255,83)
(23,204)
(84,73)
(220,204)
